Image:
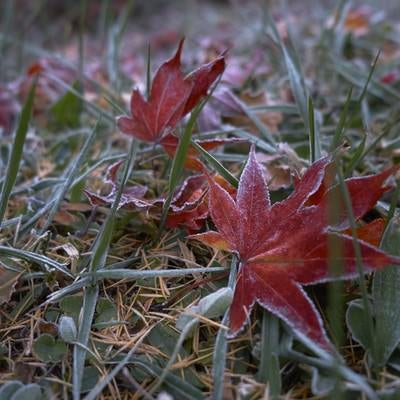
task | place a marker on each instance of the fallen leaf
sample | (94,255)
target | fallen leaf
(283,246)
(189,206)
(132,196)
(8,280)
(172,96)
(222,104)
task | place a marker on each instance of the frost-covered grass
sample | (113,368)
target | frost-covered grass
(93,296)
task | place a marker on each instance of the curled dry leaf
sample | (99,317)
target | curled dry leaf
(189,207)
(284,246)
(132,196)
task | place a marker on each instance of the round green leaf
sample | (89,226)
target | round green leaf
(28,392)
(48,349)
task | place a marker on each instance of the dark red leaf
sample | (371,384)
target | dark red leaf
(172,96)
(286,245)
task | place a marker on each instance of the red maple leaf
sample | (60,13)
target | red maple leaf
(172,96)
(284,246)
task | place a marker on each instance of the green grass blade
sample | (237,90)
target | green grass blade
(340,129)
(67,290)
(259,142)
(70,176)
(221,344)
(358,78)
(179,161)
(79,353)
(16,152)
(216,165)
(360,155)
(264,131)
(371,72)
(269,364)
(135,274)
(102,242)
(34,258)
(315,145)
(359,263)
(297,84)
(296,78)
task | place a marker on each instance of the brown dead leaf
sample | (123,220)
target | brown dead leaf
(8,280)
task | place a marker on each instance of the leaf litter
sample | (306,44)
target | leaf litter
(282,241)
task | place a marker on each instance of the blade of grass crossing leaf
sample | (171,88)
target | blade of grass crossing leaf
(216,165)
(79,353)
(181,152)
(96,165)
(70,176)
(359,263)
(221,344)
(16,152)
(177,167)
(178,162)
